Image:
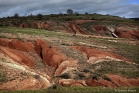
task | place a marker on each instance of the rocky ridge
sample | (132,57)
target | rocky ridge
(77,27)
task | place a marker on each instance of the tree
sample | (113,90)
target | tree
(16,15)
(69,11)
(86,13)
(40,16)
(60,13)
(76,13)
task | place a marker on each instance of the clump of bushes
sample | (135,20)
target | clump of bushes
(3,77)
(106,78)
(65,76)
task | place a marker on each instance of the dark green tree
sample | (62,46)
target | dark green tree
(69,11)
(16,15)
(40,16)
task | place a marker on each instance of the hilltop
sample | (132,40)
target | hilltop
(68,50)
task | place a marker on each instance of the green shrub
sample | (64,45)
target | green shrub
(3,77)
(106,78)
(80,76)
(65,76)
(37,76)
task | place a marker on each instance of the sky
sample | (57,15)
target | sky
(122,8)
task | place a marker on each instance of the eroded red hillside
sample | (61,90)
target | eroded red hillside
(96,55)
(115,81)
(43,64)
(76,27)
(127,33)
(50,55)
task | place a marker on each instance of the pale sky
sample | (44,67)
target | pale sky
(123,8)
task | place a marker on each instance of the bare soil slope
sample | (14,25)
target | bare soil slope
(44,58)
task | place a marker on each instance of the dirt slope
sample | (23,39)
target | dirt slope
(44,61)
(87,27)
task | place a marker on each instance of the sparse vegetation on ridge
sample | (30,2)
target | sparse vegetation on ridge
(112,67)
(127,48)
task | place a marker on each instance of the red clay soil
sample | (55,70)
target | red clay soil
(24,25)
(122,81)
(127,33)
(4,42)
(100,28)
(101,82)
(18,56)
(98,54)
(21,45)
(34,24)
(37,24)
(50,55)
(17,44)
(82,21)
(116,81)
(71,29)
(76,29)
(80,29)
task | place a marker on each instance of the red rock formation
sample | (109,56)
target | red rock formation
(116,81)
(98,54)
(24,25)
(127,33)
(17,44)
(4,42)
(50,55)
(82,21)
(76,29)
(37,24)
(101,82)
(21,45)
(34,25)
(18,56)
(19,51)
(121,81)
(100,29)
(81,31)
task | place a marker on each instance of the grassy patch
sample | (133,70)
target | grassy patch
(80,90)
(125,50)
(3,77)
(112,67)
(129,51)
(32,31)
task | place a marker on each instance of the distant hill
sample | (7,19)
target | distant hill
(136,19)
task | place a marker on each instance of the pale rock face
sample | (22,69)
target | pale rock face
(70,82)
(17,83)
(29,83)
(94,60)
(65,67)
